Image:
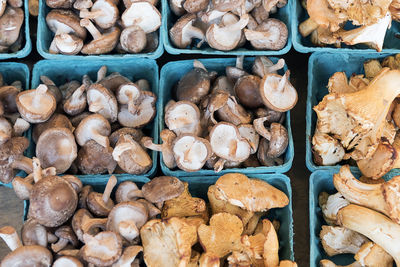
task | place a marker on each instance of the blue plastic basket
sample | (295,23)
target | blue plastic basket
(283,14)
(171,74)
(45,36)
(66,70)
(199,188)
(17,72)
(321,67)
(28,45)
(304,45)
(321,181)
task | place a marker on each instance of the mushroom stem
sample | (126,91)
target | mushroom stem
(283,82)
(147,142)
(51,238)
(219,165)
(109,187)
(260,128)
(238,25)
(23,163)
(96,34)
(279,65)
(89,223)
(10,237)
(39,92)
(101,73)
(239,62)
(101,139)
(128,230)
(61,243)
(37,170)
(133,194)
(20,126)
(86,14)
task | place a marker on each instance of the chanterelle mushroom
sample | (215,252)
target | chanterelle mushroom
(326,149)
(36,105)
(174,237)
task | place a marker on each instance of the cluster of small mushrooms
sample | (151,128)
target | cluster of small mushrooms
(104,118)
(161,224)
(11,20)
(127,27)
(228,24)
(359,119)
(363,219)
(227,121)
(328,18)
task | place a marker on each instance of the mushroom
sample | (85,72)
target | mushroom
(183,32)
(68,44)
(209,259)
(227,143)
(374,225)
(101,204)
(131,156)
(8,95)
(191,152)
(10,25)
(103,249)
(233,112)
(136,134)
(76,103)
(277,92)
(165,148)
(56,121)
(126,219)
(222,236)
(263,65)
(56,147)
(145,111)
(128,257)
(94,127)
(133,39)
(36,105)
(226,37)
(271,34)
(173,237)
(249,132)
(380,197)
(338,240)
(95,159)
(127,191)
(326,149)
(250,194)
(142,14)
(277,136)
(113,81)
(33,233)
(129,94)
(65,235)
(104,13)
(102,43)
(53,201)
(184,206)
(194,6)
(152,210)
(80,216)
(247,91)
(67,261)
(330,205)
(102,101)
(183,117)
(65,21)
(10,237)
(162,188)
(6,130)
(20,127)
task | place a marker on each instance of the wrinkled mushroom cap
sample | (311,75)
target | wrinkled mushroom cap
(52,201)
(193,86)
(28,256)
(65,21)
(56,147)
(103,249)
(95,159)
(162,188)
(250,194)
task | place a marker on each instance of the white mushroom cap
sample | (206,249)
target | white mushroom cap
(183,117)
(227,143)
(94,127)
(191,152)
(102,101)
(103,12)
(146,111)
(67,261)
(142,14)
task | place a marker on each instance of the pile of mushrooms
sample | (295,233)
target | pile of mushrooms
(227,121)
(327,22)
(160,224)
(128,27)
(81,127)
(228,24)
(11,20)
(363,219)
(359,119)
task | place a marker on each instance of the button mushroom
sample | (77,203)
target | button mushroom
(94,127)
(36,105)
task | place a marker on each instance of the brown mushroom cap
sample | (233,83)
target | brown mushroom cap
(33,233)
(10,25)
(65,235)
(277,92)
(77,222)
(6,130)
(101,43)
(272,34)
(76,102)
(65,21)
(94,127)
(183,31)
(55,121)
(277,136)
(133,39)
(101,204)
(113,81)
(95,159)
(247,91)
(162,188)
(8,96)
(11,156)
(28,256)
(227,5)
(36,105)
(194,6)
(193,86)
(103,249)
(142,14)
(136,135)
(52,201)
(56,147)
(83,196)
(102,101)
